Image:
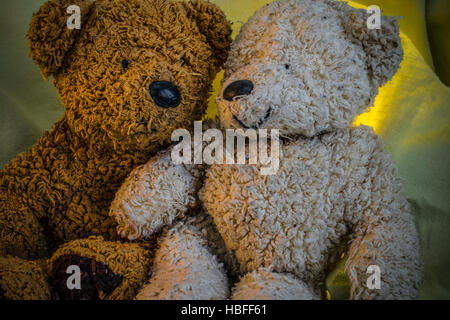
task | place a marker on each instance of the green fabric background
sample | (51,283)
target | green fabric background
(412,116)
(438,27)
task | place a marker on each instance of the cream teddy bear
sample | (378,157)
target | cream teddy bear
(306,68)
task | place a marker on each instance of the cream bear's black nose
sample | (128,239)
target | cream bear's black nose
(237,88)
(165,94)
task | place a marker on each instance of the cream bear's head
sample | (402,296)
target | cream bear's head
(306,66)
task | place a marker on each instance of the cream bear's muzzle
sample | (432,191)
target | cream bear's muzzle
(235,108)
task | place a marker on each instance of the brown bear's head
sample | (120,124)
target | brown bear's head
(135,70)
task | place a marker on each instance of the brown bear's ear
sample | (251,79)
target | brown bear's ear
(382,46)
(49,37)
(212,23)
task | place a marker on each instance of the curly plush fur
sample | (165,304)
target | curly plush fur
(328,190)
(61,189)
(266,285)
(22,280)
(184,268)
(314,67)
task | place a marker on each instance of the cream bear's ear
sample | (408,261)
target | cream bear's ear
(382,46)
(212,23)
(49,37)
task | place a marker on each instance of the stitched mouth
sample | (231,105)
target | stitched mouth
(258,124)
(145,130)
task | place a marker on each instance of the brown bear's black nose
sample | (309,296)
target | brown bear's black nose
(165,94)
(237,88)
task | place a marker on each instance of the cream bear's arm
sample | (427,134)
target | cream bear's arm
(184,268)
(384,234)
(154,195)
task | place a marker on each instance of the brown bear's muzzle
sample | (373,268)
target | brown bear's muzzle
(165,94)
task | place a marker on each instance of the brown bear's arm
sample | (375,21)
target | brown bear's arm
(20,231)
(64,183)
(26,197)
(382,227)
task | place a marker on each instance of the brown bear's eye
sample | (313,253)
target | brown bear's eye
(125,63)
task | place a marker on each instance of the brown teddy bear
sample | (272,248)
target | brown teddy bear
(133,72)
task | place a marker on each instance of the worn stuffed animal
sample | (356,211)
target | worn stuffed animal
(135,71)
(307,68)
